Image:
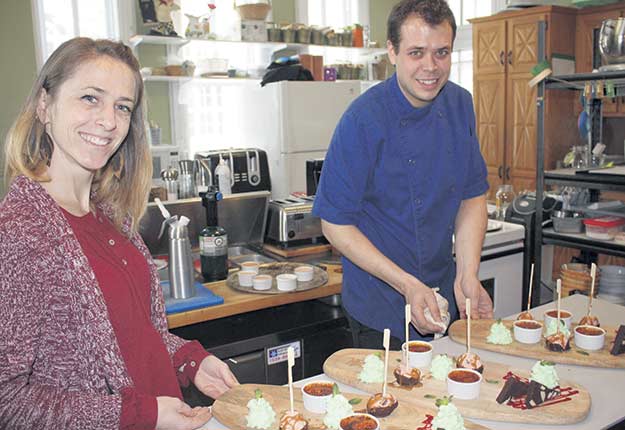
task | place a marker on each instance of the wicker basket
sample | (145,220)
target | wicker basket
(255,11)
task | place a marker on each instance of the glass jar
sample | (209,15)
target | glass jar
(579,157)
(503,198)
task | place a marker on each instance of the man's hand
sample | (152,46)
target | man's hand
(469,287)
(174,414)
(214,377)
(420,297)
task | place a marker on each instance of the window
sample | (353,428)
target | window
(332,13)
(56,21)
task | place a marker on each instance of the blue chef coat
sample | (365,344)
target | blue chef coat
(399,174)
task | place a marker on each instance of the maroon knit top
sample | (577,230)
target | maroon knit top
(123,277)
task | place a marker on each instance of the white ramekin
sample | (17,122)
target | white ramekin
(567,320)
(464,390)
(262,282)
(527,335)
(419,359)
(361,414)
(250,266)
(286,282)
(316,404)
(246,278)
(303,273)
(589,342)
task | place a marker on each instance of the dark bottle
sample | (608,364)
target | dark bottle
(213,240)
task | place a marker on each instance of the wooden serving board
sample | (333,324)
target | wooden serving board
(297,251)
(231,409)
(481,328)
(346,364)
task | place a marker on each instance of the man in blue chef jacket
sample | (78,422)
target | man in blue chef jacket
(402,175)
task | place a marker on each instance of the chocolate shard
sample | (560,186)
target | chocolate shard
(511,389)
(538,394)
(619,342)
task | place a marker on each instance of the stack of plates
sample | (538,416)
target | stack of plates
(612,284)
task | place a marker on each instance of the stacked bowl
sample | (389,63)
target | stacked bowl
(612,284)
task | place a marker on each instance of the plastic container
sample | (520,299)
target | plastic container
(604,228)
(222,171)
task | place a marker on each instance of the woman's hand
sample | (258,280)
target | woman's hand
(174,414)
(214,377)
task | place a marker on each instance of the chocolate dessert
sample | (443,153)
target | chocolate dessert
(619,342)
(527,315)
(407,376)
(513,388)
(590,320)
(538,394)
(470,360)
(293,421)
(558,342)
(381,406)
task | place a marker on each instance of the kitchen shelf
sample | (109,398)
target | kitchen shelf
(179,41)
(575,178)
(581,241)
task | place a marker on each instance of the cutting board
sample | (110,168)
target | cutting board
(297,251)
(481,328)
(231,409)
(203,298)
(346,364)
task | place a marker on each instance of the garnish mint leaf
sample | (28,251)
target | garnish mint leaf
(582,352)
(429,396)
(335,389)
(492,381)
(355,401)
(258,394)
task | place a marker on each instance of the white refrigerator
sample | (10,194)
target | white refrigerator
(306,114)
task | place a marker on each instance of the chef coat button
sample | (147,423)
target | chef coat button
(452,189)
(411,161)
(124,262)
(440,114)
(111,242)
(192,363)
(417,202)
(403,122)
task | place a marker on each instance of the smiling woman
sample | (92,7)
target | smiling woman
(83,335)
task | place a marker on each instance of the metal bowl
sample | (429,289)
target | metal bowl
(612,41)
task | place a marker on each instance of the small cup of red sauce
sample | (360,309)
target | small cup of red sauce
(589,337)
(565,316)
(315,395)
(359,421)
(527,331)
(464,383)
(419,353)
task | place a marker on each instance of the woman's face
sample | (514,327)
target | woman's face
(89,116)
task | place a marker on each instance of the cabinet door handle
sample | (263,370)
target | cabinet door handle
(510,57)
(507,173)
(501,58)
(500,172)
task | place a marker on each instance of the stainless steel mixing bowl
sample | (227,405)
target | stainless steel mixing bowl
(612,41)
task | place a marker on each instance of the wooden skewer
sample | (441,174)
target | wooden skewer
(408,316)
(559,291)
(593,274)
(291,362)
(529,295)
(468,307)
(386,342)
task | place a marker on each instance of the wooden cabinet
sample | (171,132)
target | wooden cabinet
(589,20)
(505,48)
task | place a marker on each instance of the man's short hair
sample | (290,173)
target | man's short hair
(433,12)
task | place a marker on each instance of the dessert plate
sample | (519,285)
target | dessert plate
(481,328)
(570,407)
(231,409)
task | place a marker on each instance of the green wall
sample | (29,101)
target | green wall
(378,13)
(18,67)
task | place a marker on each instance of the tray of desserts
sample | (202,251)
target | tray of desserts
(319,405)
(483,390)
(586,344)
(276,278)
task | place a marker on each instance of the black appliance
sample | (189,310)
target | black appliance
(313,174)
(249,168)
(522,211)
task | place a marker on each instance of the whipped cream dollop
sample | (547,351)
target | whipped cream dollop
(448,418)
(552,327)
(260,414)
(337,408)
(499,334)
(544,372)
(372,369)
(441,365)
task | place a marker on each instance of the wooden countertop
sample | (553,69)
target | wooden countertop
(236,302)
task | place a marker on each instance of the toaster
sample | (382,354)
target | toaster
(290,222)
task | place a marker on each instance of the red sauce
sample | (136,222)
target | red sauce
(419,347)
(463,376)
(318,389)
(589,331)
(563,314)
(358,422)
(531,325)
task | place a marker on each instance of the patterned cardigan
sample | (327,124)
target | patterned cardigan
(60,364)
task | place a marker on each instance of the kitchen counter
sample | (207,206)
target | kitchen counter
(605,385)
(236,302)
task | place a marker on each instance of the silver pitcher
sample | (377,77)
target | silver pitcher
(612,41)
(181,272)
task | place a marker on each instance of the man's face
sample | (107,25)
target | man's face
(423,62)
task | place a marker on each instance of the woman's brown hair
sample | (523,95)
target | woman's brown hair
(124,182)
